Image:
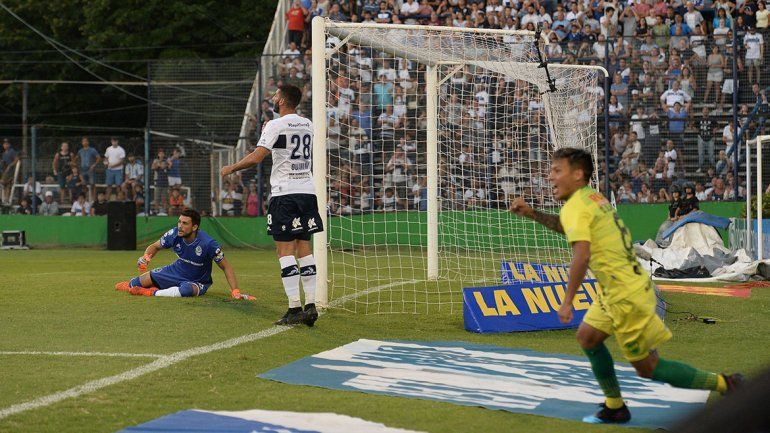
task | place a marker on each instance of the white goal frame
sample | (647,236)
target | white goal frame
(757,142)
(346,32)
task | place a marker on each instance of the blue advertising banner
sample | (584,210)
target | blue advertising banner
(521,272)
(522,306)
(501,378)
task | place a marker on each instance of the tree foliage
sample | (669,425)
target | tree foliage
(125,34)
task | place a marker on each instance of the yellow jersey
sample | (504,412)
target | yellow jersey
(588,216)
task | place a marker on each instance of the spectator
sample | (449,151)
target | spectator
(62,164)
(252,201)
(295,19)
(160,169)
(674,95)
(115,157)
(88,158)
(335,14)
(755,53)
(671,157)
(717,192)
(689,202)
(387,203)
(290,53)
(138,195)
(384,14)
(619,89)
(99,207)
(630,156)
(674,207)
(728,137)
(175,168)
(409,10)
(700,192)
(175,202)
(761,16)
(716,65)
(676,121)
(228,195)
(692,17)
(723,164)
(24,208)
(663,196)
(32,190)
(388,123)
(645,195)
(7,166)
(705,139)
(49,207)
(80,207)
(75,183)
(397,172)
(134,174)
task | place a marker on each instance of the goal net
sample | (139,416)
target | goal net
(422,137)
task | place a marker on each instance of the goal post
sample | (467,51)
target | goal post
(751,232)
(422,134)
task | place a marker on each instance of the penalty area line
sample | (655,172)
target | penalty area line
(163,362)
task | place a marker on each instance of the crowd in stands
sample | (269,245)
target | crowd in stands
(82,182)
(670,102)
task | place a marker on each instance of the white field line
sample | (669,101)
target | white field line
(162,362)
(107,354)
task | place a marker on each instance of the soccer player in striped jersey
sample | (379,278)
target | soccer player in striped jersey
(625,305)
(292,214)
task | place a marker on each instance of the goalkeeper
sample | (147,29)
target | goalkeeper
(625,305)
(190,274)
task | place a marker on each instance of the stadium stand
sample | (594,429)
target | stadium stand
(670,106)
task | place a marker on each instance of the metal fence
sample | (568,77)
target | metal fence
(692,143)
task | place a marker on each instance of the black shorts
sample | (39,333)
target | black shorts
(293,216)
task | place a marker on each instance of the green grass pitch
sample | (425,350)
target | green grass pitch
(64,301)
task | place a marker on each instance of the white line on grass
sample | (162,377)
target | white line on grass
(164,361)
(108,354)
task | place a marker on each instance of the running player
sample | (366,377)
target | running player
(625,306)
(190,274)
(292,213)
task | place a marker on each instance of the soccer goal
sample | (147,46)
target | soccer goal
(422,136)
(749,233)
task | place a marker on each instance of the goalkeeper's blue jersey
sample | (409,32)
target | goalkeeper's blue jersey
(194,262)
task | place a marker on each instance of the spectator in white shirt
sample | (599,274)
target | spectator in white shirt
(755,53)
(670,156)
(81,207)
(728,136)
(114,158)
(674,95)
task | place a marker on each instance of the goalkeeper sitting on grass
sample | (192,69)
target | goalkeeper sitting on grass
(190,274)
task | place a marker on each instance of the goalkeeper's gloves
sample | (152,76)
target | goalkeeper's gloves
(143,262)
(238,295)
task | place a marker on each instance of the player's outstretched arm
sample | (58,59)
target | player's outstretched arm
(232,281)
(247,161)
(581,255)
(521,208)
(149,253)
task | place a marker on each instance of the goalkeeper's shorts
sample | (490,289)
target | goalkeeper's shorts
(293,216)
(163,278)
